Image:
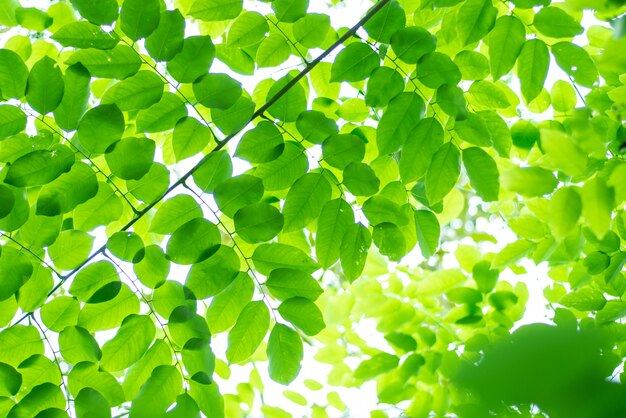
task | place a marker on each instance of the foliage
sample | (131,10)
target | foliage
(197,195)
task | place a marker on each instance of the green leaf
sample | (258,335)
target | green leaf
(13,75)
(10,380)
(355,245)
(12,121)
(303,314)
(289,11)
(75,98)
(214,274)
(360,179)
(273,51)
(173,213)
(92,278)
(451,99)
(119,353)
(428,231)
(40,167)
(379,209)
(383,85)
(377,364)
(528,181)
(489,95)
(44,89)
(268,257)
(563,153)
(305,200)
(246,336)
(98,12)
(119,62)
(70,249)
(77,345)
(153,268)
(130,158)
(215,10)
(139,18)
(513,253)
(127,246)
(473,65)
(100,127)
(169,296)
(190,137)
(564,209)
(389,239)
(7,201)
(139,91)
(556,23)
(248,29)
(235,118)
(163,115)
(214,169)
(193,242)
(310,30)
(505,44)
(285,353)
(90,403)
(411,43)
(261,144)
(532,68)
(109,314)
(15,270)
(315,127)
(32,18)
(18,343)
(576,62)
(386,22)
(40,398)
(60,312)
(335,218)
(474,130)
(258,222)
(193,60)
(290,104)
(400,118)
(443,172)
(483,173)
(598,200)
(228,304)
(584,299)
(84,35)
(167,39)
(208,398)
(354,63)
(421,144)
(563,96)
(157,393)
(285,283)
(87,375)
(198,358)
(237,192)
(475,19)
(434,69)
(159,354)
(102,209)
(34,292)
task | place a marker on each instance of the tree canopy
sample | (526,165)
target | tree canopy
(223,208)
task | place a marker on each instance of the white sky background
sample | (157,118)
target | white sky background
(360,400)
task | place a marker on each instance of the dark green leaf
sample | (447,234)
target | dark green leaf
(194,59)
(100,127)
(40,167)
(400,118)
(483,173)
(443,172)
(130,158)
(355,245)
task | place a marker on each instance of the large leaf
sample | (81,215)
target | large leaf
(284,352)
(483,173)
(532,68)
(248,332)
(398,121)
(139,18)
(44,89)
(505,43)
(475,19)
(157,393)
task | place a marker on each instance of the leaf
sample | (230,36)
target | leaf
(248,29)
(60,312)
(383,85)
(390,241)
(512,253)
(44,89)
(193,242)
(483,173)
(139,18)
(90,402)
(92,278)
(130,158)
(213,170)
(305,200)
(563,96)
(237,192)
(598,199)
(532,68)
(157,393)
(428,231)
(163,115)
(11,380)
(70,249)
(289,11)
(489,95)
(167,39)
(475,19)
(354,63)
(84,35)
(273,51)
(32,18)
(556,23)
(268,257)
(505,44)
(119,353)
(377,364)
(127,246)
(360,179)
(98,12)
(473,65)
(13,75)
(303,314)
(75,97)
(40,398)
(285,283)
(100,127)
(18,343)
(528,181)
(158,354)
(452,101)
(315,127)
(563,153)
(215,10)
(40,167)
(211,276)
(12,120)
(87,375)
(435,69)
(109,314)
(310,30)
(235,118)
(443,172)
(335,218)
(564,209)
(379,209)
(422,143)
(102,209)
(576,62)
(173,213)
(119,62)
(355,245)
(77,345)
(285,353)
(139,91)
(401,117)
(189,138)
(386,22)
(193,60)
(290,104)
(474,130)
(228,304)
(261,144)
(258,222)
(246,336)
(584,299)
